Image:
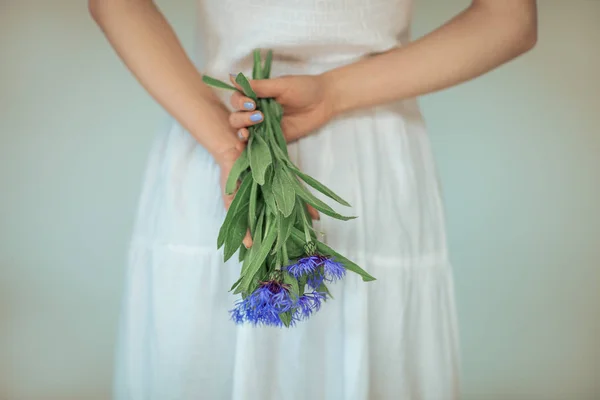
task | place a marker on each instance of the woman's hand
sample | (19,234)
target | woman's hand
(306,99)
(225,161)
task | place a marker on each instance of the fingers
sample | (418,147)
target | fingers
(227,199)
(273,87)
(243,119)
(246,114)
(241,102)
(243,134)
(314,214)
(290,132)
(247,240)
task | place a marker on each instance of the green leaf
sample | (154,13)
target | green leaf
(236,232)
(276,135)
(302,284)
(323,289)
(260,276)
(295,250)
(267,67)
(286,318)
(318,204)
(278,152)
(267,191)
(259,256)
(277,111)
(217,83)
(283,190)
(240,200)
(310,180)
(304,218)
(256,243)
(273,137)
(349,265)
(241,80)
(258,234)
(240,165)
(319,186)
(242,253)
(306,215)
(298,237)
(252,206)
(260,157)
(257,68)
(293,283)
(284,229)
(236,284)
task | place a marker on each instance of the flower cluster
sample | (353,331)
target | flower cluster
(272,298)
(307,304)
(271,199)
(264,305)
(317,269)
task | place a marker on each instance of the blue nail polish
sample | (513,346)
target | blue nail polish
(249,105)
(256,117)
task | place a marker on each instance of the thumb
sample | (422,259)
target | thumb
(274,87)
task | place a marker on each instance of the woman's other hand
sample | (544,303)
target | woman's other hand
(306,100)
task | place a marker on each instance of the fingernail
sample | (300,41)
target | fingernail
(256,117)
(249,105)
(233,76)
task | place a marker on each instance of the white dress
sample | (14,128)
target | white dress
(392,339)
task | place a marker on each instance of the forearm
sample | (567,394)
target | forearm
(148,46)
(476,41)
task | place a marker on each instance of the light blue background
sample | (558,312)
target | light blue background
(518,151)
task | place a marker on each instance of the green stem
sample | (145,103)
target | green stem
(307,235)
(257,67)
(268,223)
(279,263)
(271,123)
(285,255)
(276,127)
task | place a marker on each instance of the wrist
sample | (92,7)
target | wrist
(214,133)
(228,154)
(339,101)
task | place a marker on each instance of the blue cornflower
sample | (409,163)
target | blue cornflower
(304,308)
(315,279)
(263,306)
(333,269)
(317,269)
(239,313)
(317,299)
(307,304)
(304,266)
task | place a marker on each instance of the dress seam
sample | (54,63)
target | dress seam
(431,259)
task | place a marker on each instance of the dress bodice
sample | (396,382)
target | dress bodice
(302,31)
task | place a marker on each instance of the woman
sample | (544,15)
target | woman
(347,76)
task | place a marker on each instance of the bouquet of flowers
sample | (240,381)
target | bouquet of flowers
(284,273)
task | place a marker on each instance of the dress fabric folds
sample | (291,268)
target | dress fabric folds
(392,339)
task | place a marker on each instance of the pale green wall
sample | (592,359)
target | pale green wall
(518,152)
